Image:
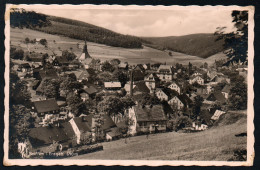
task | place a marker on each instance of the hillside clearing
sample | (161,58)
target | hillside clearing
(216,144)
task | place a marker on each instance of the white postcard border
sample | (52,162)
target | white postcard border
(48,162)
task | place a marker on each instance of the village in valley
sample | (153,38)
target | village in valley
(65,105)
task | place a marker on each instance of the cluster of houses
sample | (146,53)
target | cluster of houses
(57,123)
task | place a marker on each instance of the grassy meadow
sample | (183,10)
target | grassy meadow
(58,43)
(216,144)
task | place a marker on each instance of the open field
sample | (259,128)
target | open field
(216,144)
(103,52)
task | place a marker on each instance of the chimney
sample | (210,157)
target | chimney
(131,83)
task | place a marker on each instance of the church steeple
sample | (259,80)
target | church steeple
(85,50)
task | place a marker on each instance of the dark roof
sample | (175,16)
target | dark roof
(156,113)
(154,75)
(35,82)
(46,105)
(25,65)
(50,73)
(114,132)
(36,59)
(226,89)
(205,116)
(167,108)
(141,87)
(67,128)
(169,92)
(139,67)
(122,124)
(185,99)
(46,135)
(62,60)
(216,96)
(108,123)
(91,90)
(39,88)
(138,75)
(84,75)
(84,123)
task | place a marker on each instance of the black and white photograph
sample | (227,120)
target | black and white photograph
(129,85)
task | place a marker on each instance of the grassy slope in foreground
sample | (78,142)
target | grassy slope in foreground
(201,45)
(216,144)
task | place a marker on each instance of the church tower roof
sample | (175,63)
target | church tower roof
(85,53)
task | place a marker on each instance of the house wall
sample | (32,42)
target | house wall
(165,77)
(175,87)
(151,85)
(177,102)
(161,95)
(132,116)
(225,95)
(150,126)
(76,130)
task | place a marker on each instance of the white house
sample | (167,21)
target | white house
(131,115)
(175,86)
(165,73)
(75,129)
(152,81)
(177,102)
(161,95)
(197,79)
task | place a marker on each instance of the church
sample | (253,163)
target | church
(87,61)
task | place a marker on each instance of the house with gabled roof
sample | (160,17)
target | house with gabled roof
(140,87)
(165,73)
(175,86)
(82,75)
(216,96)
(60,61)
(150,119)
(43,107)
(81,125)
(152,81)
(138,75)
(225,91)
(43,139)
(165,94)
(40,74)
(140,68)
(180,101)
(196,78)
(47,111)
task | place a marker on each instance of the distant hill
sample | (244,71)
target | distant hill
(72,28)
(201,45)
(81,30)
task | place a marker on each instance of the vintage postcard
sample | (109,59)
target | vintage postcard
(129,85)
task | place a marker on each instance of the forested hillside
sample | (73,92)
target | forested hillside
(201,45)
(72,28)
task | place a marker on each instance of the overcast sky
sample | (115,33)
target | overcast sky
(152,23)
